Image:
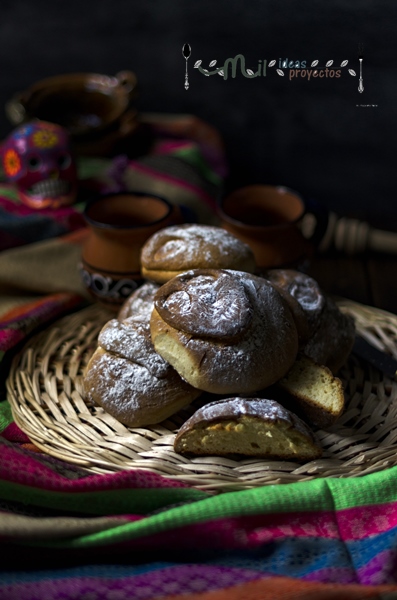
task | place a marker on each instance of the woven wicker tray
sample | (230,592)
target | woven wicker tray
(45,391)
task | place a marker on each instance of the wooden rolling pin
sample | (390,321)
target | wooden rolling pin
(350,236)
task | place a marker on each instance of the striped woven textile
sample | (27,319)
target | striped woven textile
(139,533)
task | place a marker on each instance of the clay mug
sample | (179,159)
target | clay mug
(269,219)
(119,224)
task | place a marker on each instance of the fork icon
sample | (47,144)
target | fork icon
(360,58)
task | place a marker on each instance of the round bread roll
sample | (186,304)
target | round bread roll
(333,341)
(331,332)
(224,331)
(304,289)
(130,380)
(140,304)
(251,427)
(177,249)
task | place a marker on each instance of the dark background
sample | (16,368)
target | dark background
(309,135)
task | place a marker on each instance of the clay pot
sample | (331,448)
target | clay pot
(95,109)
(268,219)
(119,224)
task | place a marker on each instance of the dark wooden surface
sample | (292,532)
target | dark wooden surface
(368,279)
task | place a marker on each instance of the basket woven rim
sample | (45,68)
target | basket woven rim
(44,388)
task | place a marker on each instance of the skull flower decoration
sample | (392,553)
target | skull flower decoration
(37,159)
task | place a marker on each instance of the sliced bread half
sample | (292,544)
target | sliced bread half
(313,392)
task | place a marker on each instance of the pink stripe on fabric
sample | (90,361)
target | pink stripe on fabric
(182,184)
(256,530)
(347,524)
(170,146)
(15,207)
(14,434)
(23,320)
(364,521)
(32,309)
(263,528)
(18,467)
(220,534)
(9,338)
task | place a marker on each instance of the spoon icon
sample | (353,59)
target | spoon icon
(186,51)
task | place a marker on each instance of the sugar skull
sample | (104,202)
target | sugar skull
(37,159)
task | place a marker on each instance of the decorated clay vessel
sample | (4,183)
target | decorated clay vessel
(119,225)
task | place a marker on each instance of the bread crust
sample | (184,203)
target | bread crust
(180,248)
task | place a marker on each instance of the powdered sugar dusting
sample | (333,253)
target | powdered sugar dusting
(117,377)
(193,246)
(205,302)
(178,302)
(177,247)
(139,305)
(131,340)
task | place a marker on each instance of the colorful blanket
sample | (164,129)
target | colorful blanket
(69,534)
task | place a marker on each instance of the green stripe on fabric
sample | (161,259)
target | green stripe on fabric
(262,500)
(6,417)
(193,156)
(91,167)
(9,192)
(79,206)
(106,502)
(376,488)
(312,496)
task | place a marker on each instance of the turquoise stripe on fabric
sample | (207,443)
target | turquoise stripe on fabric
(294,557)
(364,550)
